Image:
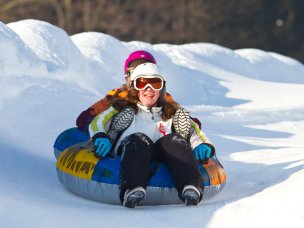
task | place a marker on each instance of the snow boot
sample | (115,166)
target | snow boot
(182,122)
(120,122)
(191,195)
(133,197)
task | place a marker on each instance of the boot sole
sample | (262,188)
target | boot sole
(134,199)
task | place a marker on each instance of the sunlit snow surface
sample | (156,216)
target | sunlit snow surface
(250,102)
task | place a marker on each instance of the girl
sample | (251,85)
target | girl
(145,127)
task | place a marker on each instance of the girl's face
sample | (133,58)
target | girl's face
(149,96)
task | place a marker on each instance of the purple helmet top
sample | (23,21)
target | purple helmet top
(140,54)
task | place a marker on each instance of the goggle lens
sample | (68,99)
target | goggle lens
(142,83)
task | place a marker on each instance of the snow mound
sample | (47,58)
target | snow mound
(250,103)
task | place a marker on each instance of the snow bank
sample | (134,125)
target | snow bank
(249,101)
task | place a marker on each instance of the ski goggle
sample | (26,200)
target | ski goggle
(141,83)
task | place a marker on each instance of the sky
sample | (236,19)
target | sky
(250,103)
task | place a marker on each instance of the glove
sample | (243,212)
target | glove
(202,152)
(103,146)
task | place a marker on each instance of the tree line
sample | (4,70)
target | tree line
(272,25)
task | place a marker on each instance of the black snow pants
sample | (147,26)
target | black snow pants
(138,150)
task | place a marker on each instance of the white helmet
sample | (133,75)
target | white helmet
(146,70)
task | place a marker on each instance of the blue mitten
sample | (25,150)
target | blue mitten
(202,152)
(103,146)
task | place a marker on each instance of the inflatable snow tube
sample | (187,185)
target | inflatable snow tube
(68,138)
(98,179)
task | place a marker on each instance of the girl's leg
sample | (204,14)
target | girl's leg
(181,162)
(136,151)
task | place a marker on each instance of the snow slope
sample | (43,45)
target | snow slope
(251,104)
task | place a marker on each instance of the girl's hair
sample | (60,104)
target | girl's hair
(168,107)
